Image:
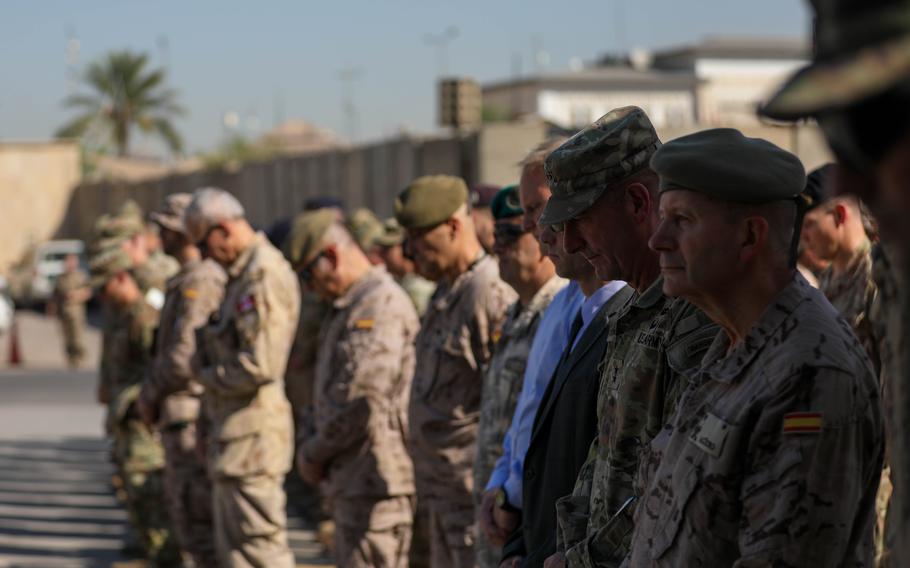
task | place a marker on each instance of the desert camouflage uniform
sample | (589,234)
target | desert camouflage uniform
(193,295)
(453,346)
(420,290)
(301,370)
(137,450)
(774,453)
(363,380)
(853,294)
(651,343)
(502,383)
(885,317)
(71,314)
(243,356)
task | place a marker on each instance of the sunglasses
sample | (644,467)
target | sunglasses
(306,273)
(507,233)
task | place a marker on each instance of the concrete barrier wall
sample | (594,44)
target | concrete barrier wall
(368,176)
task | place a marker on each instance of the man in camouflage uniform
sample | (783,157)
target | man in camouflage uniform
(138,455)
(363,378)
(71,292)
(170,396)
(455,342)
(389,246)
(833,229)
(240,361)
(533,277)
(774,453)
(856,88)
(600,178)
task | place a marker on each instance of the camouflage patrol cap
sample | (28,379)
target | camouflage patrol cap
(306,236)
(111,230)
(506,203)
(430,200)
(724,164)
(365,227)
(618,145)
(862,50)
(171,215)
(392,234)
(107,263)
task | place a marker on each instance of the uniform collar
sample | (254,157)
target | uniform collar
(521,317)
(727,367)
(243,260)
(445,293)
(357,289)
(652,295)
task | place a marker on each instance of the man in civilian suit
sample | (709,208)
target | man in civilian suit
(566,420)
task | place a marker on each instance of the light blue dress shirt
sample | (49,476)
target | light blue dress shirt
(546,351)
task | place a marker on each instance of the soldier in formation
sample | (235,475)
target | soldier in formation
(71,292)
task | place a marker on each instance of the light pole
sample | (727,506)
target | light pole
(347,77)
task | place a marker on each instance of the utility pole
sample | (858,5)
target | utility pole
(73,48)
(441,43)
(349,112)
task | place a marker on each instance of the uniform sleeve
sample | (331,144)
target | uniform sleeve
(362,384)
(239,352)
(815,458)
(574,520)
(172,370)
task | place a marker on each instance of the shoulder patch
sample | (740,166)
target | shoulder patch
(190,294)
(246,304)
(364,324)
(802,423)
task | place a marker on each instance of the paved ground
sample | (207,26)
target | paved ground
(57,508)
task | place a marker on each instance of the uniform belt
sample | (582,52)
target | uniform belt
(177,426)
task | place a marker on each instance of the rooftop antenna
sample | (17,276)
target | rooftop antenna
(441,42)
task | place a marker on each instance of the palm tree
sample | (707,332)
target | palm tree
(126,95)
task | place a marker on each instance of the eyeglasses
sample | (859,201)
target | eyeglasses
(507,233)
(558,227)
(306,273)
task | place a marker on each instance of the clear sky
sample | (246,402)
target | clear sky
(282,59)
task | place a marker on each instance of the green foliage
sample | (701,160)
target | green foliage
(124,94)
(237,150)
(492,113)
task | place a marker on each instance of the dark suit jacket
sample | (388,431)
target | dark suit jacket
(565,425)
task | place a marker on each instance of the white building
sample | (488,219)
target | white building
(712,83)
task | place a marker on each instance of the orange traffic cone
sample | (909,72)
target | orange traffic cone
(15,358)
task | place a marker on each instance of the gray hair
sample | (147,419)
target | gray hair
(210,206)
(538,155)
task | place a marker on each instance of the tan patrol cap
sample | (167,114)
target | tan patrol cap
(171,215)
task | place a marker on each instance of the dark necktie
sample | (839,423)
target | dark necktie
(573,332)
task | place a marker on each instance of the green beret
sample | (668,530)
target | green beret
(618,145)
(306,235)
(723,163)
(365,227)
(506,203)
(430,200)
(392,234)
(107,263)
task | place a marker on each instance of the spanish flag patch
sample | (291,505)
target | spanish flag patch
(190,294)
(497,335)
(364,324)
(803,423)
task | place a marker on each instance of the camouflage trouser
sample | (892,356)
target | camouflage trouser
(250,522)
(883,536)
(452,532)
(73,342)
(188,492)
(138,454)
(372,533)
(419,557)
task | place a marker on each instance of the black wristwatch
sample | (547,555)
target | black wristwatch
(502,501)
